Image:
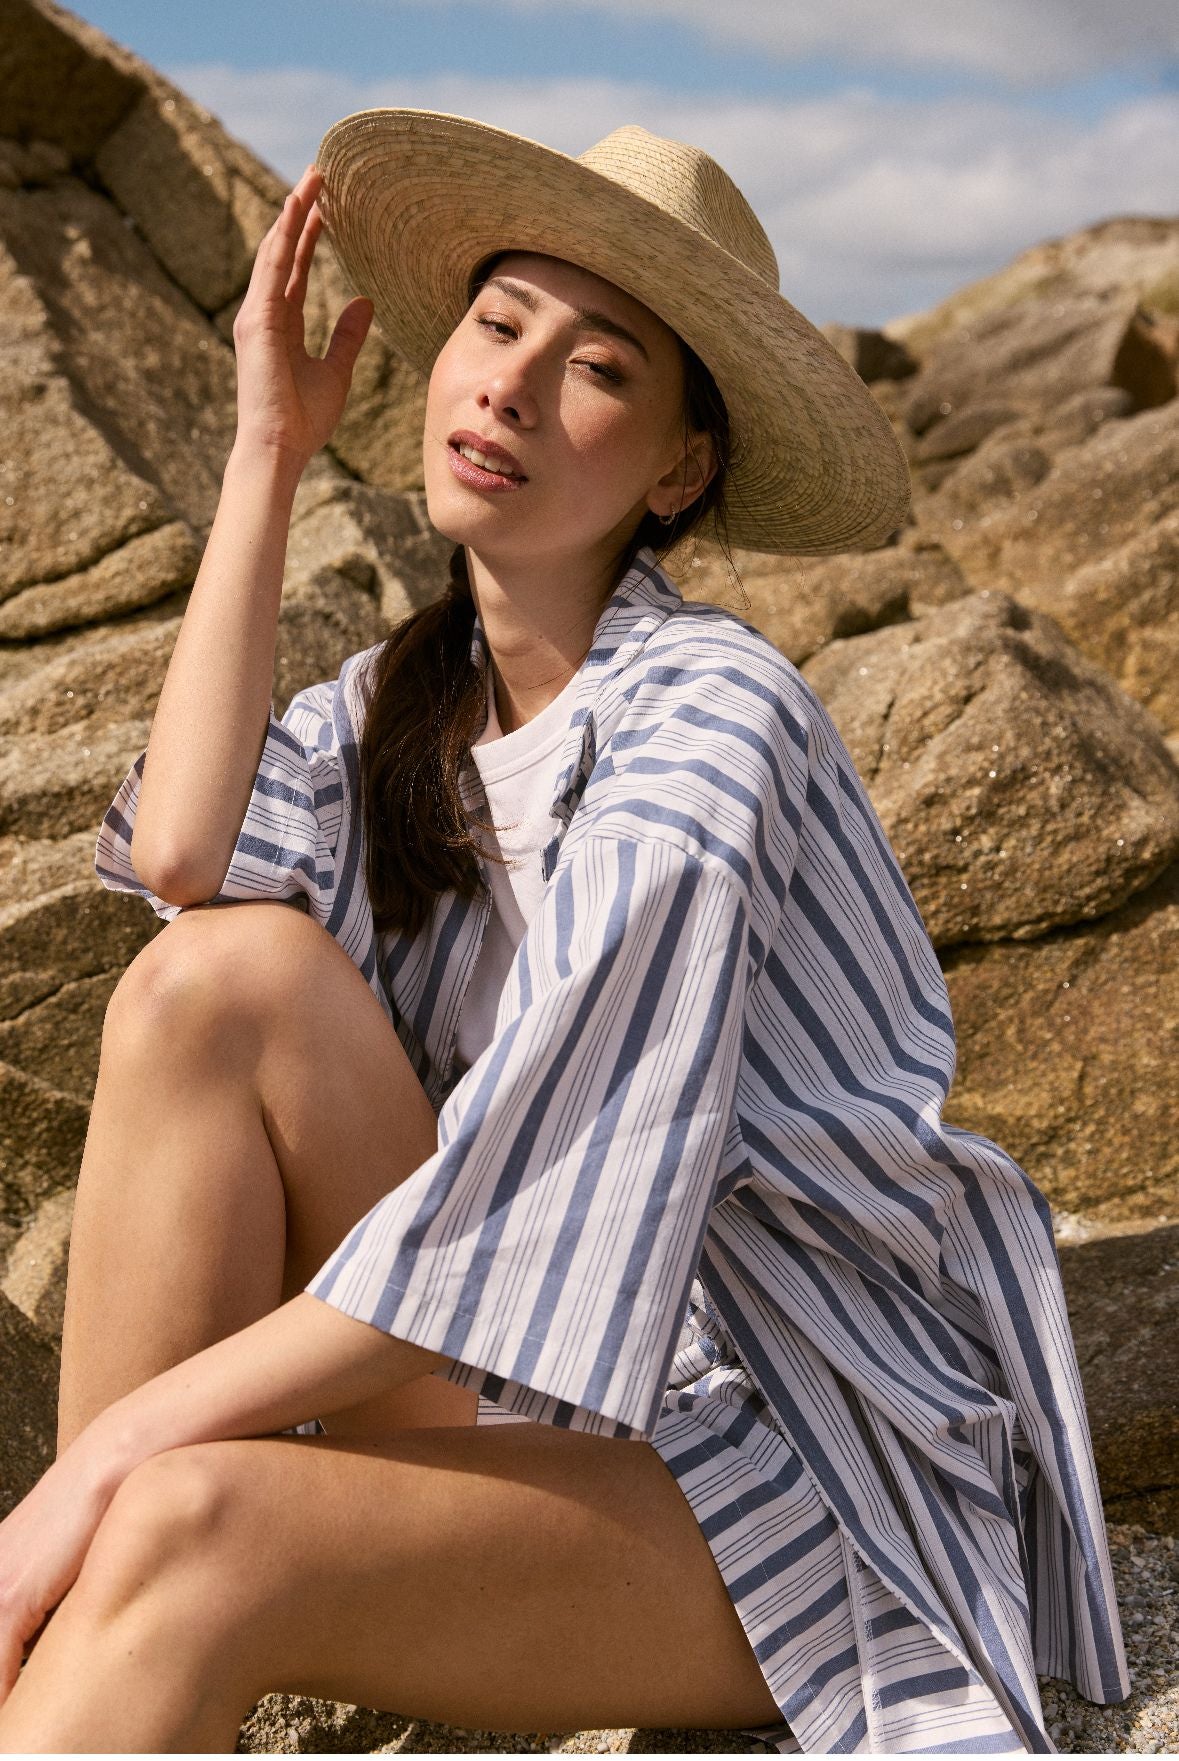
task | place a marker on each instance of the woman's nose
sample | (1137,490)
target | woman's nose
(509,391)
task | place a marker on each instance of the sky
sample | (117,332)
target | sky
(893,152)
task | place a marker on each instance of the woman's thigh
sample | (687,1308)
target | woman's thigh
(260,996)
(500,1578)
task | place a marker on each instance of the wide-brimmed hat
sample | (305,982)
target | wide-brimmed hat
(413,201)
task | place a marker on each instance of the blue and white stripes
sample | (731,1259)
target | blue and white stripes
(720,1062)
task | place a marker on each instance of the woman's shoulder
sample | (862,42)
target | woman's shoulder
(707,674)
(332,710)
(708,743)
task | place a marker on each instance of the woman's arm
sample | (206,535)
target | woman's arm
(298,1362)
(195,790)
(304,1360)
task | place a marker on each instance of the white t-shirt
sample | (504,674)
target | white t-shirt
(518,771)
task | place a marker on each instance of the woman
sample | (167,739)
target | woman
(624,1133)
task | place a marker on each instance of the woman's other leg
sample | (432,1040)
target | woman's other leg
(252,1103)
(514,1578)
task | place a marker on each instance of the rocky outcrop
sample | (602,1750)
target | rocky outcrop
(1130,254)
(873,354)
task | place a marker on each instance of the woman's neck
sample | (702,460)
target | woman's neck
(539,623)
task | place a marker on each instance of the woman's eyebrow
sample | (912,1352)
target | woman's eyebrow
(587,317)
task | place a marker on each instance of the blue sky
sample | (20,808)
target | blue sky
(893,152)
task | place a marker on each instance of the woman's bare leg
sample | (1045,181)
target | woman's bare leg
(514,1577)
(252,1103)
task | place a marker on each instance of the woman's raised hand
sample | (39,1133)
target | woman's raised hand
(288,401)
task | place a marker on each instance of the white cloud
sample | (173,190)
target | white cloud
(1025,42)
(875,206)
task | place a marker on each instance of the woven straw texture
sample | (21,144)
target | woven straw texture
(414,200)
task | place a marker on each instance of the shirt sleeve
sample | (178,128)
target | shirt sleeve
(549,1244)
(299,839)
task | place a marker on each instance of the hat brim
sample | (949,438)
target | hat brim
(413,200)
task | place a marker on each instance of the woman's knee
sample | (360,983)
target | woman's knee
(172,1519)
(209,964)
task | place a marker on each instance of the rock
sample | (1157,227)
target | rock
(1066,1056)
(1072,421)
(69,932)
(1039,354)
(962,431)
(200,199)
(873,354)
(61,80)
(35,1273)
(1123,612)
(1130,254)
(138,222)
(1093,500)
(60,782)
(333,522)
(972,491)
(802,604)
(92,509)
(28,1405)
(159,389)
(1019,785)
(48,1067)
(30,867)
(289,1724)
(333,615)
(88,679)
(1013,456)
(136,573)
(1123,1303)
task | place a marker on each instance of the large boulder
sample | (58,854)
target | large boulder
(1019,786)
(1094,499)
(874,355)
(1067,1055)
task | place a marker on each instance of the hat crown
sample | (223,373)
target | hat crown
(690,184)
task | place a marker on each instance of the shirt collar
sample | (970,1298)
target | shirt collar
(644,597)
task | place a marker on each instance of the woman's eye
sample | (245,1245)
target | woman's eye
(605,372)
(599,368)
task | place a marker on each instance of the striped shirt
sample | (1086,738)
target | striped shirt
(719,1065)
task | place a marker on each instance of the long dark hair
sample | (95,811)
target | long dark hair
(425,700)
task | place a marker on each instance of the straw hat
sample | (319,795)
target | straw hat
(414,200)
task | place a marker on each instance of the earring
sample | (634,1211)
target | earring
(668,519)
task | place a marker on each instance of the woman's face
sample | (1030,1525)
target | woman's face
(540,365)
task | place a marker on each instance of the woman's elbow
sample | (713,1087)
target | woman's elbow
(173,875)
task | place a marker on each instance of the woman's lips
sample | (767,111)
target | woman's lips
(467,471)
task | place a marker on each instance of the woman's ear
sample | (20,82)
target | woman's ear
(688,476)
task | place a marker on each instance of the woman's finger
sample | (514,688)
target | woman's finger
(304,252)
(272,262)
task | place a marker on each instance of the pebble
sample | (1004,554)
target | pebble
(1146,1572)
